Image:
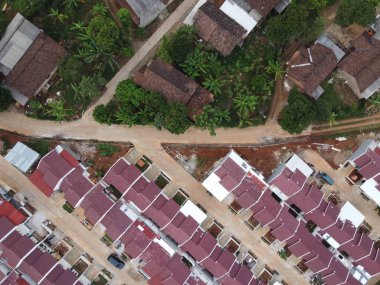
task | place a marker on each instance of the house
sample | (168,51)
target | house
(142,194)
(28,59)
(96,204)
(309,67)
(117,220)
(325,215)
(266,209)
(290,177)
(22,157)
(361,68)
(37,265)
(14,248)
(219,30)
(144,12)
(284,226)
(7,210)
(13,278)
(174,86)
(6,227)
(307,199)
(60,276)
(234,174)
(365,164)
(238,275)
(181,229)
(137,239)
(219,262)
(75,186)
(200,245)
(53,168)
(162,211)
(122,175)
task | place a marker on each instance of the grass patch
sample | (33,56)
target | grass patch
(106,149)
(68,208)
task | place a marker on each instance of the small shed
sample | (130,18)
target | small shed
(22,157)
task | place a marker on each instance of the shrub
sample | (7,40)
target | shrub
(176,120)
(104,114)
(5,99)
(106,149)
(362,12)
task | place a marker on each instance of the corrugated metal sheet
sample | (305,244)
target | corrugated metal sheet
(327,42)
(22,157)
(146,10)
(18,37)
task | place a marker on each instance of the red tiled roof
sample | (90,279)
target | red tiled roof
(9,211)
(96,204)
(307,199)
(285,225)
(75,186)
(136,239)
(360,247)
(37,264)
(14,279)
(289,182)
(335,274)
(162,211)
(116,221)
(50,170)
(371,263)
(60,276)
(325,215)
(342,232)
(238,275)
(230,174)
(263,6)
(181,228)
(319,258)
(266,209)
(302,243)
(249,191)
(368,164)
(154,258)
(200,245)
(69,158)
(122,175)
(142,193)
(15,247)
(5,226)
(219,262)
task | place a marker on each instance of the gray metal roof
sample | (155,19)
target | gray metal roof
(377,28)
(19,36)
(146,10)
(327,42)
(22,157)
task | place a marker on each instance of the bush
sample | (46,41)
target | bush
(105,114)
(362,12)
(176,47)
(298,114)
(70,69)
(40,146)
(106,149)
(176,120)
(5,99)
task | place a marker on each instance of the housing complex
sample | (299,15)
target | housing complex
(323,240)
(28,59)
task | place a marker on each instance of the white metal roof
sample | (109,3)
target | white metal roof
(190,209)
(22,157)
(19,36)
(349,212)
(240,16)
(370,190)
(331,241)
(295,162)
(214,187)
(165,246)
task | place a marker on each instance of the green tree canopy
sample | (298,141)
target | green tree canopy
(362,12)
(298,114)
(70,69)
(105,33)
(177,46)
(176,120)
(301,20)
(211,118)
(105,114)
(5,99)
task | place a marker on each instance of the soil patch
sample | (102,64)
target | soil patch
(89,151)
(265,158)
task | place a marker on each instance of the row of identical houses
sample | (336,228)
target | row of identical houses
(24,257)
(327,240)
(165,235)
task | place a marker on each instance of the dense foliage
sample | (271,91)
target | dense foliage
(298,114)
(242,82)
(136,106)
(301,20)
(5,99)
(362,12)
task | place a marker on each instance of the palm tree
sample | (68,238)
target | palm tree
(56,15)
(275,67)
(125,117)
(58,110)
(71,3)
(244,104)
(214,85)
(100,9)
(332,119)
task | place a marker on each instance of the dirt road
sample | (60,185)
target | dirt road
(65,222)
